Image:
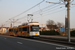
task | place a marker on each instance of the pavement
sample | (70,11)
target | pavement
(51,36)
(17,43)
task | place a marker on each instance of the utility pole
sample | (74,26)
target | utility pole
(10,22)
(13,22)
(68,16)
(41,17)
(41,21)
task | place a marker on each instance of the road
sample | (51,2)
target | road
(17,43)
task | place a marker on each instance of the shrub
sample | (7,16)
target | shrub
(72,33)
(51,32)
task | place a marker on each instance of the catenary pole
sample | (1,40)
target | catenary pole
(13,22)
(68,16)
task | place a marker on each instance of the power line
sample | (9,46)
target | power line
(55,12)
(36,11)
(21,18)
(47,9)
(52,9)
(28,9)
(44,8)
(46,14)
(52,13)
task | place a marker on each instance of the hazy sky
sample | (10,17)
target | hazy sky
(56,12)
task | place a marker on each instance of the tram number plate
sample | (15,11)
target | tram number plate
(36,33)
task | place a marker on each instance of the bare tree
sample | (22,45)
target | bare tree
(50,22)
(63,25)
(60,24)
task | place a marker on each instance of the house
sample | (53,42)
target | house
(42,28)
(51,27)
(4,30)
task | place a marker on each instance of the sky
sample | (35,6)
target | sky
(9,9)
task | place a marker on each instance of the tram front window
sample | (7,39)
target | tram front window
(10,30)
(35,28)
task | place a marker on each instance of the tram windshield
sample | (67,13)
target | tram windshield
(34,28)
(10,30)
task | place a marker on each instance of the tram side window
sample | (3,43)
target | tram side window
(14,30)
(25,29)
(28,30)
(19,29)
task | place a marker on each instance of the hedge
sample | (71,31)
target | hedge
(72,33)
(52,32)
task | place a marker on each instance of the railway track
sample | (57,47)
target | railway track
(56,41)
(59,39)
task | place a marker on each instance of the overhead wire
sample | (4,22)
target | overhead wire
(47,9)
(47,14)
(54,12)
(38,11)
(34,6)
(51,10)
(28,9)
(21,18)
(44,8)
(51,13)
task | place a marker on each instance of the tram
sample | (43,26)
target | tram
(30,30)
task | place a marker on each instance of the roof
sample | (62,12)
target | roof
(42,28)
(33,23)
(52,26)
(4,27)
